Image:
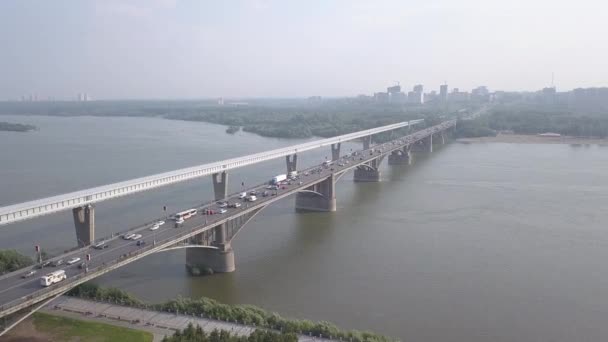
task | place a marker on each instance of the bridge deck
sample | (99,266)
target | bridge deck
(49,205)
(17,293)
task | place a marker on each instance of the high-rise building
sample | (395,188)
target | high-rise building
(443,92)
(419,88)
(417,95)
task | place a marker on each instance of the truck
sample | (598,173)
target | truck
(52,278)
(278,179)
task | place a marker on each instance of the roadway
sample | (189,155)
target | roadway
(13,287)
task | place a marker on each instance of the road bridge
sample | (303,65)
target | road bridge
(314,190)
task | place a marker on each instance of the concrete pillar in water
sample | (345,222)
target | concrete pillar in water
(367,142)
(206,260)
(220,185)
(400,157)
(335,151)
(292,163)
(318,197)
(84,221)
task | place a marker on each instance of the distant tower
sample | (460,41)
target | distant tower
(443,92)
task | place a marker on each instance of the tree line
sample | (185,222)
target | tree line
(197,334)
(244,314)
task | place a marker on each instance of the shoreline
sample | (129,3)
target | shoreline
(534,139)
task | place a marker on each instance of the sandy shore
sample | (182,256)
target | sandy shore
(534,139)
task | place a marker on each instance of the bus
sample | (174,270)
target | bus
(52,278)
(184,215)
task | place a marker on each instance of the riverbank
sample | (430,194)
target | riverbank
(534,139)
(15,127)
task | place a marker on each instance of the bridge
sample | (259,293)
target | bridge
(207,237)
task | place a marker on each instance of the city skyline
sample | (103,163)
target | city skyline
(170,49)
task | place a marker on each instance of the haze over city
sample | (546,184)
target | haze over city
(195,49)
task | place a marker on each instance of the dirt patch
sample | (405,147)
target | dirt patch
(26,332)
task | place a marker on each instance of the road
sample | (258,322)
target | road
(14,287)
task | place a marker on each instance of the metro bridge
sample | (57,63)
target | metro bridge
(207,237)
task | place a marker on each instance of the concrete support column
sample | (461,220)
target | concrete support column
(292,163)
(84,221)
(209,260)
(442,135)
(220,185)
(400,157)
(335,151)
(367,142)
(430,143)
(318,197)
(366,174)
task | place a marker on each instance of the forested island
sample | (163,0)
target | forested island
(289,118)
(535,118)
(15,127)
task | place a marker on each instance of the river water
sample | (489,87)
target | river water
(474,242)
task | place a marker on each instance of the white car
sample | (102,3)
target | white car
(160,223)
(179,221)
(128,236)
(73,261)
(136,237)
(243,195)
(222,211)
(155,227)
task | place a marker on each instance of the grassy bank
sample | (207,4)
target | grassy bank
(45,327)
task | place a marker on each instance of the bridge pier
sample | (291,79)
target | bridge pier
(369,172)
(292,163)
(220,185)
(429,142)
(367,142)
(400,157)
(206,260)
(84,221)
(318,197)
(335,151)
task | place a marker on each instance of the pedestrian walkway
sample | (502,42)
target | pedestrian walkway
(159,323)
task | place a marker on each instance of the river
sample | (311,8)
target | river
(474,242)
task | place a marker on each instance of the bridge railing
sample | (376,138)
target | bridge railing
(105,266)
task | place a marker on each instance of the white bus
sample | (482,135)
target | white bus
(184,215)
(52,278)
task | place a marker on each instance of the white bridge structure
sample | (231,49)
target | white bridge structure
(87,197)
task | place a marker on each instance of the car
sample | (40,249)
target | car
(141,243)
(57,263)
(243,195)
(273,194)
(305,174)
(136,237)
(155,227)
(300,183)
(100,245)
(235,205)
(82,265)
(128,236)
(44,264)
(253,192)
(28,274)
(222,204)
(179,221)
(73,260)
(160,223)
(222,211)
(265,194)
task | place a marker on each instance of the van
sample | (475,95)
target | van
(243,195)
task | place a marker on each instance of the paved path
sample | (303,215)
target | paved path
(156,322)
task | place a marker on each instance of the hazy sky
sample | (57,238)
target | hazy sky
(285,48)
